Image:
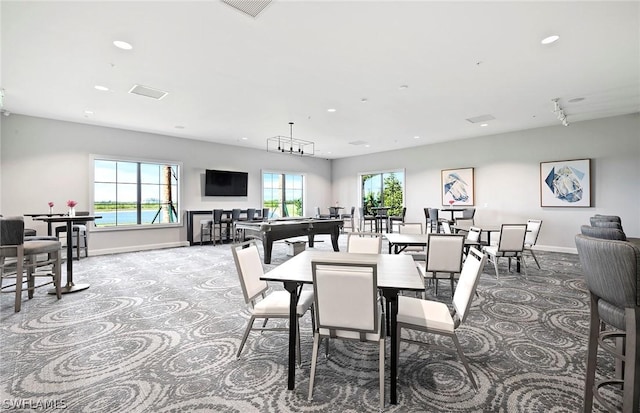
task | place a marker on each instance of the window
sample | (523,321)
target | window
(383,189)
(129,193)
(283,194)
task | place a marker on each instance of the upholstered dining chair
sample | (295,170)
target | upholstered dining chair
(264,304)
(348,218)
(474,235)
(608,218)
(346,302)
(206,227)
(444,258)
(417,252)
(13,245)
(603,233)
(364,218)
(434,317)
(606,224)
(612,273)
(531,237)
(397,219)
(321,215)
(433,223)
(78,236)
(510,245)
(446,227)
(364,242)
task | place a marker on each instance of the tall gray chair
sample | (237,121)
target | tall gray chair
(364,218)
(433,223)
(13,245)
(398,219)
(78,236)
(612,273)
(348,218)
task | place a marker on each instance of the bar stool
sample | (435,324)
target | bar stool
(206,226)
(612,274)
(217,224)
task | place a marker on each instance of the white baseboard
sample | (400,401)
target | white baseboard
(134,248)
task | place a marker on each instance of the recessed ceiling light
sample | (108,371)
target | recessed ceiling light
(122,45)
(244,139)
(179,127)
(574,100)
(364,100)
(484,124)
(331,110)
(101,88)
(367,146)
(416,137)
(550,39)
(88,112)
(404,86)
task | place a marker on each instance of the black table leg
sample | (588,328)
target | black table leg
(70,287)
(292,287)
(391,295)
(267,245)
(335,234)
(311,239)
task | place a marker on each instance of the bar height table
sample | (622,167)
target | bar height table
(34,216)
(70,287)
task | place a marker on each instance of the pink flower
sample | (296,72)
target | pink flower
(71,203)
(51,204)
(451,201)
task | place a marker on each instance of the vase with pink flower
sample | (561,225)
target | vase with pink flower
(451,202)
(51,204)
(72,207)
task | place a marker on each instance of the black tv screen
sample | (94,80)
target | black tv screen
(225,183)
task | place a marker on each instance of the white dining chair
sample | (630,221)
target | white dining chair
(434,317)
(364,242)
(444,258)
(416,251)
(346,302)
(510,245)
(533,230)
(264,304)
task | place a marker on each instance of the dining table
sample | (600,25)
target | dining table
(380,214)
(50,214)
(70,287)
(399,242)
(395,273)
(452,210)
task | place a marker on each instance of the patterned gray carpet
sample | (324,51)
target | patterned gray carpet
(157,331)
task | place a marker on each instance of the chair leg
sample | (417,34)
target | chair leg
(381,371)
(57,273)
(464,361)
(246,334)
(298,348)
(77,244)
(535,258)
(31,284)
(19,270)
(592,355)
(314,359)
(495,265)
(631,394)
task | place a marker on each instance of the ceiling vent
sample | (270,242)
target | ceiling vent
(481,119)
(250,7)
(357,143)
(149,92)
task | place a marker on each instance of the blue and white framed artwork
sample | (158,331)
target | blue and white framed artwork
(457,187)
(565,183)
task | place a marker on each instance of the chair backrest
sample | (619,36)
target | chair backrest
(446,228)
(444,252)
(611,218)
(464,223)
(533,229)
(603,233)
(403,214)
(468,282)
(82,213)
(364,243)
(433,214)
(249,268)
(468,213)
(606,224)
(346,296)
(382,213)
(251,214)
(474,234)
(235,214)
(611,269)
(265,214)
(512,237)
(410,228)
(11,231)
(353,211)
(333,212)
(217,216)
(317,209)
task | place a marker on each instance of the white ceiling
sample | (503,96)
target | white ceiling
(230,76)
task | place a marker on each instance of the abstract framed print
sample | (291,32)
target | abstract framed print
(565,183)
(457,187)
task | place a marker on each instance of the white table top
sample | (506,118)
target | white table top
(394,271)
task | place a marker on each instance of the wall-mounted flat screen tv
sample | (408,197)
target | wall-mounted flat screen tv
(225,183)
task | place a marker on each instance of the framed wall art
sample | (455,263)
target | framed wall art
(565,183)
(457,187)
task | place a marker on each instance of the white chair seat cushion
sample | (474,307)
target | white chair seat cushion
(491,249)
(427,314)
(277,303)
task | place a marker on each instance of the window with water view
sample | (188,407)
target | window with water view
(130,193)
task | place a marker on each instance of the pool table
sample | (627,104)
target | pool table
(273,230)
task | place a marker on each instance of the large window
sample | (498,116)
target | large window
(127,193)
(383,189)
(283,194)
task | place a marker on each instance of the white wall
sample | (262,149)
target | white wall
(507,175)
(47,160)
